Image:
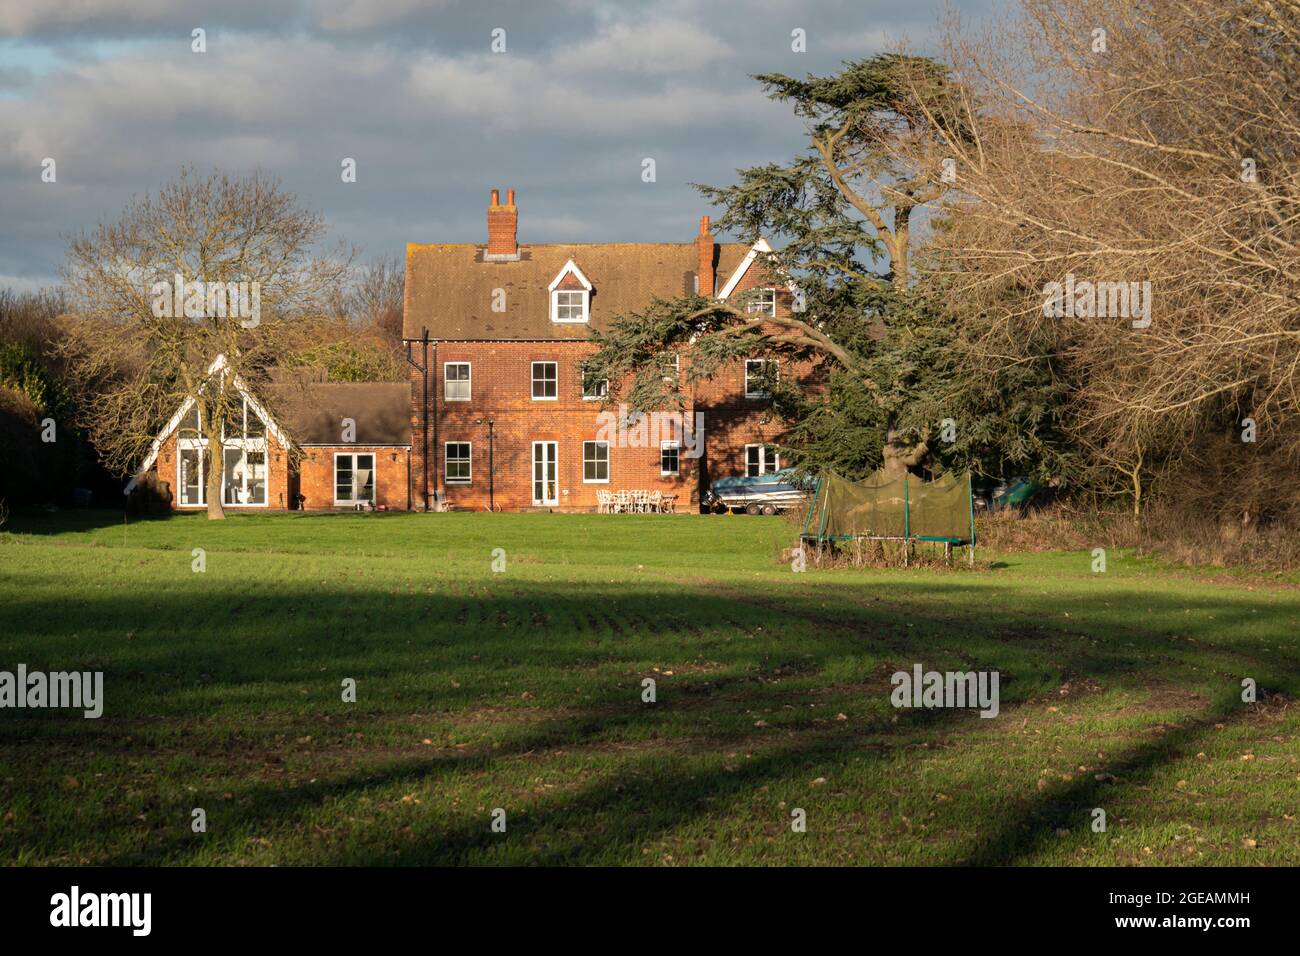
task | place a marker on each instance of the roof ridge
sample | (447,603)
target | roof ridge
(556,245)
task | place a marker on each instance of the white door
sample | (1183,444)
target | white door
(545,484)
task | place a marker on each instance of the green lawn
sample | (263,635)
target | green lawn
(522,690)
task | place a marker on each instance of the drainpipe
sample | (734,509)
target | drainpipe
(424,406)
(492,499)
(438,491)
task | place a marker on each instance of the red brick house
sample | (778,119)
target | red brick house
(373,468)
(330,446)
(500,413)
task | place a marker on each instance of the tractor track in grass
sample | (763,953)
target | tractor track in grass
(889,638)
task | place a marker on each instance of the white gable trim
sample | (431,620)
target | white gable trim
(569,266)
(754,250)
(156,445)
(219,364)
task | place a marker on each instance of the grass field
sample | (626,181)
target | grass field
(522,690)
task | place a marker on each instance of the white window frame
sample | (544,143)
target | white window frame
(182,427)
(446,458)
(247,447)
(239,443)
(374,478)
(584,298)
(532,476)
(604,391)
(748,362)
(595,481)
(233,441)
(447,382)
(535,380)
(674,446)
(195,445)
(757,306)
(762,461)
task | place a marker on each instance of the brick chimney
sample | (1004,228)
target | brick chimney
(503,227)
(704,245)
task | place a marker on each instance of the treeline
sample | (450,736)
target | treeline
(49,458)
(1068,248)
(1124,214)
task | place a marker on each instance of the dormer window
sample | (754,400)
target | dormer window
(570,295)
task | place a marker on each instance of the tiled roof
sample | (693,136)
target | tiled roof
(313,414)
(451,289)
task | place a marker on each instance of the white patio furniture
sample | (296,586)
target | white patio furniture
(635,501)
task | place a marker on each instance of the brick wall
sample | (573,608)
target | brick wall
(315,477)
(501,390)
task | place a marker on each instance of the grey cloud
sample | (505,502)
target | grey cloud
(118,18)
(412,92)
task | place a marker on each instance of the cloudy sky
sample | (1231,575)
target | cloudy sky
(586,90)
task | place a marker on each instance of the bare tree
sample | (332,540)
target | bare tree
(208,266)
(375,297)
(1128,204)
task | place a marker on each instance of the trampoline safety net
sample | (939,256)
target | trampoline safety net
(880,507)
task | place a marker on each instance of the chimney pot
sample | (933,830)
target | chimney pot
(496,197)
(510,197)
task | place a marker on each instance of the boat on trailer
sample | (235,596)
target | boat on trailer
(761,494)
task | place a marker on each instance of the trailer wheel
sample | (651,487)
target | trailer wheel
(751,508)
(769,509)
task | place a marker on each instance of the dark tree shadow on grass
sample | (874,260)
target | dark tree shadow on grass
(752,637)
(1034,823)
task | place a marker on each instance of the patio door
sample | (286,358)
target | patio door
(191,479)
(244,476)
(545,484)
